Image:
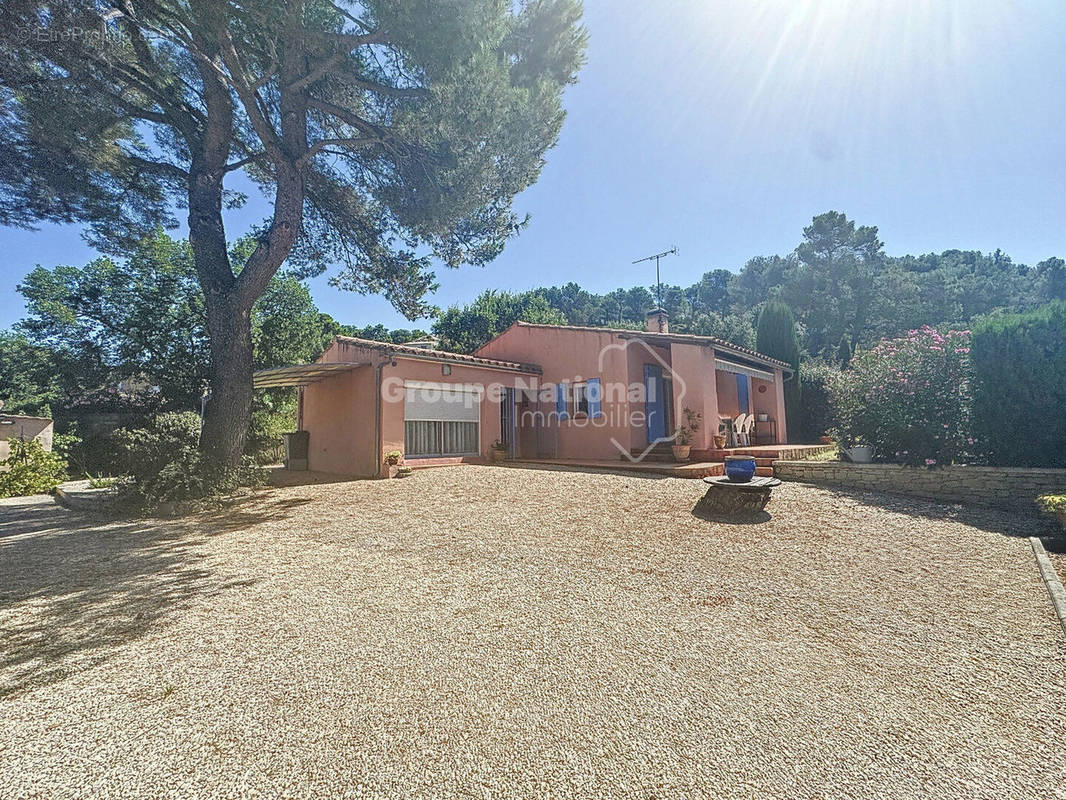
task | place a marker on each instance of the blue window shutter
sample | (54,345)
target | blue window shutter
(743,394)
(560,400)
(593,389)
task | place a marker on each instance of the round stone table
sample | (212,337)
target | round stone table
(728,499)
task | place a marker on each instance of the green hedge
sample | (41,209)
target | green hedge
(815,416)
(1019,392)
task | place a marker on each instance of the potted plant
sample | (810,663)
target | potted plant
(393,460)
(719,441)
(683,437)
(499,451)
(403,472)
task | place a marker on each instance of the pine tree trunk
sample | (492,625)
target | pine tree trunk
(229,407)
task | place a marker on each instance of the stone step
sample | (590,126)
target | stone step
(661,449)
(658,458)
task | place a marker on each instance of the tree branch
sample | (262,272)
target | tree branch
(321,144)
(243,162)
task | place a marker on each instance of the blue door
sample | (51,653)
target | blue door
(655,402)
(744,394)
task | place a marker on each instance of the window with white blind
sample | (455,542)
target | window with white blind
(441,420)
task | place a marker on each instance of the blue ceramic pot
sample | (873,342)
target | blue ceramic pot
(740,469)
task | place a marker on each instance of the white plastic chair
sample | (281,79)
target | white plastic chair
(749,427)
(741,429)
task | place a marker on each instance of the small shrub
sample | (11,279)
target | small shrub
(164,464)
(30,469)
(393,457)
(1052,503)
(102,483)
(908,398)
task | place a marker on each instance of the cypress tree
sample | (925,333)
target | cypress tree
(775,336)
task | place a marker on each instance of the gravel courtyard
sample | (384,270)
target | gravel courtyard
(491,632)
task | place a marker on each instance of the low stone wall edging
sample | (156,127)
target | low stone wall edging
(995,487)
(1051,579)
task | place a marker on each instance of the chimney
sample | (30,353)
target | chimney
(658,321)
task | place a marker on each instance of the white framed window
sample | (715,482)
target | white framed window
(441,420)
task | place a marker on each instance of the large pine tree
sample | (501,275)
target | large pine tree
(383,132)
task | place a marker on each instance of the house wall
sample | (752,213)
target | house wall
(694,364)
(572,355)
(393,394)
(339,415)
(638,354)
(779,391)
(339,411)
(16,426)
(566,353)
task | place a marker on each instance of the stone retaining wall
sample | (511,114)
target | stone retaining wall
(997,487)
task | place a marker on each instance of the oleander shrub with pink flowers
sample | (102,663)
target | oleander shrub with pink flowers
(909,399)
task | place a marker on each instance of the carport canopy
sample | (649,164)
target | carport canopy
(301,374)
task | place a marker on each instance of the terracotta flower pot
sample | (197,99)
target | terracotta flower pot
(681,451)
(719,440)
(498,455)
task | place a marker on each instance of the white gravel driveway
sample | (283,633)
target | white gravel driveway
(490,632)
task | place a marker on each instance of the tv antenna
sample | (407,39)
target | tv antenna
(658,283)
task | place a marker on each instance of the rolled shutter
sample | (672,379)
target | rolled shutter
(444,403)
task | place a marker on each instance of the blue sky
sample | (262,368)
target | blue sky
(723,127)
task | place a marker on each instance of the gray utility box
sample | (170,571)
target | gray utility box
(296,446)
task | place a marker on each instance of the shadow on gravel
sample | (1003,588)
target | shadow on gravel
(1014,523)
(41,515)
(592,470)
(758,518)
(245,512)
(74,590)
(279,476)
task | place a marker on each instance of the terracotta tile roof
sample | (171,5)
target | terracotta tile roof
(443,356)
(680,338)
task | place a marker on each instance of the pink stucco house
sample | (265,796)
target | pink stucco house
(544,391)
